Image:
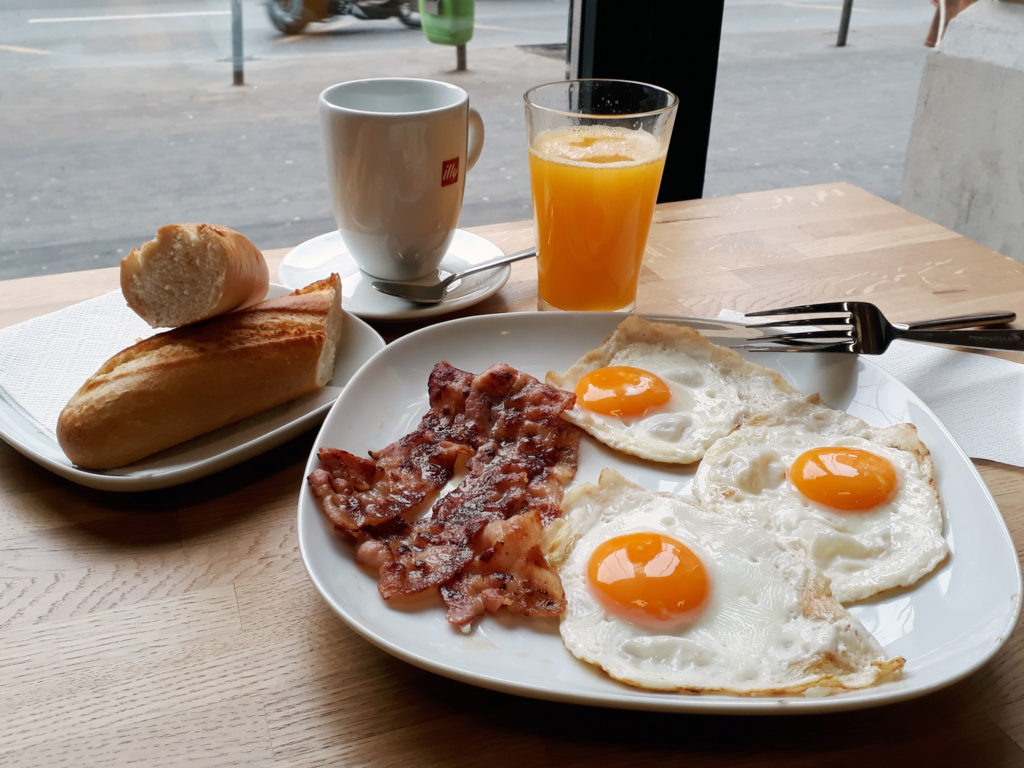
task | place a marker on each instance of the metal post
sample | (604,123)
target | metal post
(844,23)
(460,58)
(236,41)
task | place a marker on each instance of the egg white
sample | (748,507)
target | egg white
(862,553)
(768,628)
(713,389)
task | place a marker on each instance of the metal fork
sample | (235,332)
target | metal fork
(863,329)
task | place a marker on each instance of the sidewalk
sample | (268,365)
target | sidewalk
(791,108)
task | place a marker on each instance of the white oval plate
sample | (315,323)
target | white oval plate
(207,453)
(946,627)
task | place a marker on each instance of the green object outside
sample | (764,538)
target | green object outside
(447,22)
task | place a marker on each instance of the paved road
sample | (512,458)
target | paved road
(791,108)
(117,119)
(84,33)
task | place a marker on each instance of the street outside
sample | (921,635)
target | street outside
(116,118)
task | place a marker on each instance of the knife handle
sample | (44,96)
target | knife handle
(976,320)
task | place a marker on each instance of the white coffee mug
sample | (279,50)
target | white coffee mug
(397,152)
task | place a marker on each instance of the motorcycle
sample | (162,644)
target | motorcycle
(292,16)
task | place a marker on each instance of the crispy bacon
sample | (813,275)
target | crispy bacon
(438,547)
(509,571)
(480,542)
(355,492)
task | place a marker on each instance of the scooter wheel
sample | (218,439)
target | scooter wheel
(409,13)
(289,16)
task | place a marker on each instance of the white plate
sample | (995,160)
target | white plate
(208,453)
(317,258)
(946,627)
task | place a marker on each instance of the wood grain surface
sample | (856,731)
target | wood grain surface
(178,627)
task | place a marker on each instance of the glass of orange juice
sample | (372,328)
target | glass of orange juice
(597,151)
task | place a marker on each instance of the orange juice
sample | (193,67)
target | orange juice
(594,190)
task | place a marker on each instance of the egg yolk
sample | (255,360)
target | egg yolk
(849,479)
(649,579)
(621,390)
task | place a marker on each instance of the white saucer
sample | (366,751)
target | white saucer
(317,258)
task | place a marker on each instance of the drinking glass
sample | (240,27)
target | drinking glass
(597,152)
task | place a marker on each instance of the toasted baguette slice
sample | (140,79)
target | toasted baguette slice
(190,272)
(190,380)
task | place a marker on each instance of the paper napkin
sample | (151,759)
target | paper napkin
(979,398)
(45,360)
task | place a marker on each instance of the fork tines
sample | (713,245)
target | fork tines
(803,309)
(829,333)
(798,322)
(782,345)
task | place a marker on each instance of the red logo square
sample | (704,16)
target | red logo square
(449,171)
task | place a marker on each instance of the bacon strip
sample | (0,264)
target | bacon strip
(438,547)
(509,572)
(480,542)
(355,492)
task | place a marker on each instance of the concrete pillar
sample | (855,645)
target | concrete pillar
(965,160)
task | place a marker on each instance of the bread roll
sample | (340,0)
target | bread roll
(190,272)
(190,380)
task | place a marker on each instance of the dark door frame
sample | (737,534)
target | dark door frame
(670,43)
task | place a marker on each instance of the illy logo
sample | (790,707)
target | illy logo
(449,171)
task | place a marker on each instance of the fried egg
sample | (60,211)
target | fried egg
(663,392)
(861,498)
(667,596)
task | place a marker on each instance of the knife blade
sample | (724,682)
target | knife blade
(723,329)
(737,332)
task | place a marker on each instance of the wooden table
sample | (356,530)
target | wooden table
(178,627)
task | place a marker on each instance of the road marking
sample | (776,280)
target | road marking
(127,17)
(20,49)
(827,7)
(498,29)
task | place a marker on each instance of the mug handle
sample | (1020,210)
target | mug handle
(476,138)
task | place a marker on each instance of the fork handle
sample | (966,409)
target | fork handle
(987,338)
(976,320)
